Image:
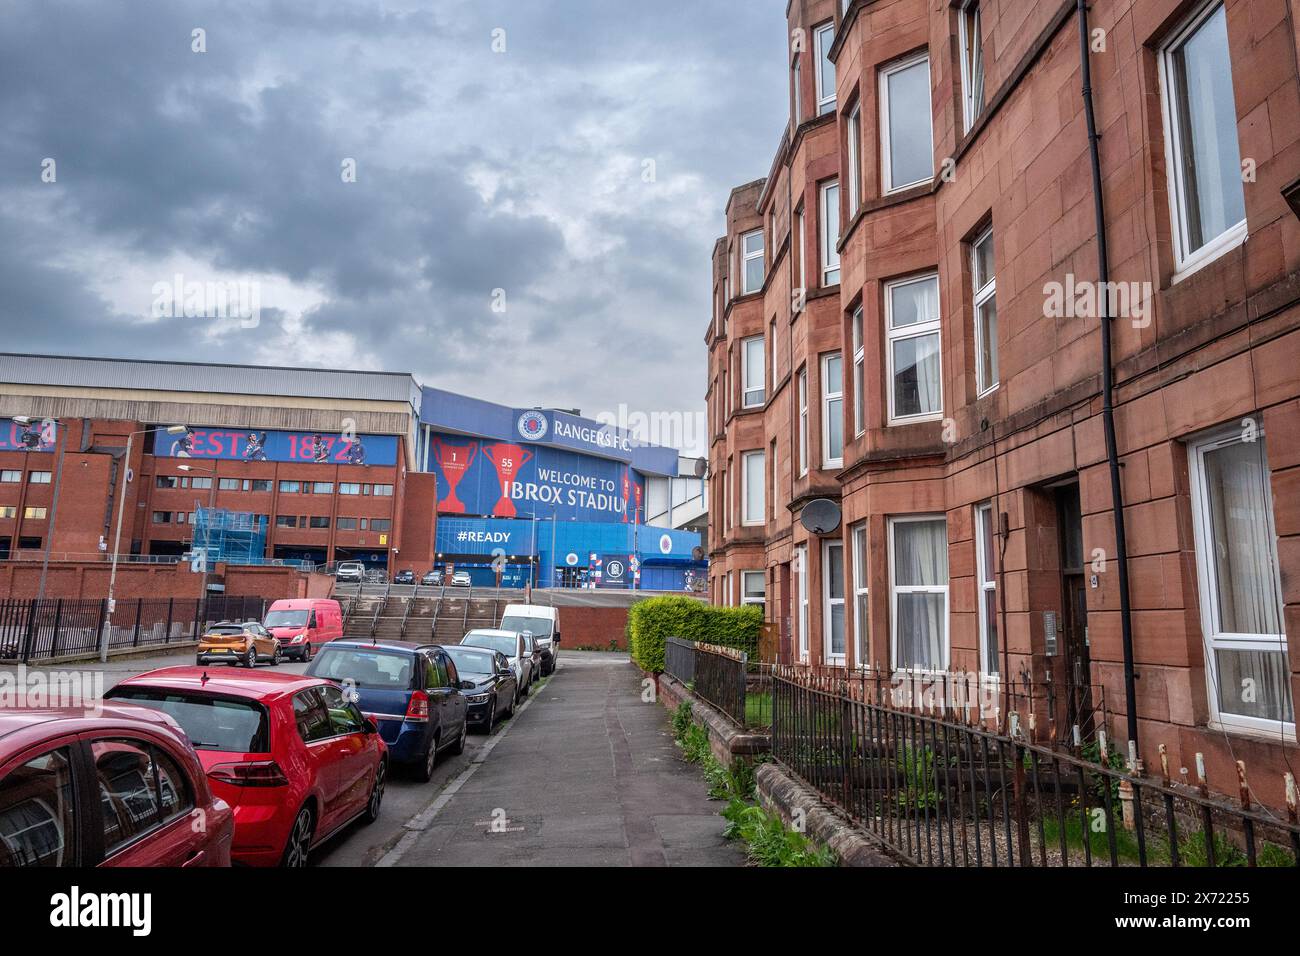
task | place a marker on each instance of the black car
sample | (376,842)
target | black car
(404,577)
(431,577)
(486,682)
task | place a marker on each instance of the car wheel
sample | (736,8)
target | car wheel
(298,848)
(275,656)
(424,769)
(198,661)
(306,652)
(376,793)
(250,659)
(492,715)
(458,748)
(523,692)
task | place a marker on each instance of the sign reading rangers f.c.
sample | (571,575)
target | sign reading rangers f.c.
(532,425)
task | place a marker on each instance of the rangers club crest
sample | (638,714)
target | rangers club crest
(532,425)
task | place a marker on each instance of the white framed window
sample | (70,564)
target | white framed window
(753,375)
(796,92)
(1203,155)
(986,586)
(918,592)
(859,374)
(972,63)
(853,153)
(832,410)
(833,600)
(906,130)
(801,280)
(753,588)
(1246,662)
(803,421)
(771,328)
(801,584)
(776,477)
(823,38)
(753,482)
(861,593)
(984,286)
(830,211)
(751,265)
(912,349)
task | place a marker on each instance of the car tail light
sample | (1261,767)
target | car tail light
(256,773)
(418,708)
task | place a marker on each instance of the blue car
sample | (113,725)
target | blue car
(411,691)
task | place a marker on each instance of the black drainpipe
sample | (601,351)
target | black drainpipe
(1107,387)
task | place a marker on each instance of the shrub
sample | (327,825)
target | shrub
(652,621)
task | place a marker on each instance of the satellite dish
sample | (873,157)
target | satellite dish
(697,553)
(701,468)
(820,516)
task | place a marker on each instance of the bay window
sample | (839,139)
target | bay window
(859,375)
(753,376)
(906,131)
(912,349)
(984,284)
(972,63)
(754,481)
(861,610)
(830,233)
(751,265)
(987,588)
(918,549)
(1239,582)
(823,38)
(803,421)
(832,411)
(833,600)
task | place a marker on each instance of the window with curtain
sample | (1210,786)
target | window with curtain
(987,588)
(832,411)
(919,586)
(833,594)
(912,349)
(823,38)
(861,609)
(753,588)
(754,479)
(1207,196)
(972,63)
(1240,587)
(906,132)
(984,287)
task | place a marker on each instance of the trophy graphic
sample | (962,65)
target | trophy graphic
(637,513)
(626,494)
(508,460)
(455,461)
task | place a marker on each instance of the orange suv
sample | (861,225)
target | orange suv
(245,644)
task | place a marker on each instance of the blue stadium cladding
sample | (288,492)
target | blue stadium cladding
(520,483)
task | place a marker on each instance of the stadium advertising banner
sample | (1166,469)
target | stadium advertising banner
(506,480)
(37,435)
(233,444)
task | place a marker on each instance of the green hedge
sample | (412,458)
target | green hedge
(652,621)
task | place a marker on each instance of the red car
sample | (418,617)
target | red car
(121,788)
(295,759)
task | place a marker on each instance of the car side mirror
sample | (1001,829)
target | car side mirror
(371,726)
(556,638)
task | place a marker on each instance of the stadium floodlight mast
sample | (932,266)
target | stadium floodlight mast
(117,538)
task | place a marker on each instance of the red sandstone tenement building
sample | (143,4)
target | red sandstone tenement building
(907,320)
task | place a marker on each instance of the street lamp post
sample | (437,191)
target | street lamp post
(117,537)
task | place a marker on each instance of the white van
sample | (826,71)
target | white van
(544,623)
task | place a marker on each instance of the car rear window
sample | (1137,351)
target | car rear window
(365,666)
(471,660)
(507,645)
(226,629)
(225,724)
(540,626)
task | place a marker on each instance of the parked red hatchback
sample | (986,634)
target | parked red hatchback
(296,760)
(120,788)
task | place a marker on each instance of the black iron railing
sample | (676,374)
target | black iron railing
(720,679)
(33,630)
(939,791)
(679,659)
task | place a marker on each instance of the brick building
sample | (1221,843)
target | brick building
(908,321)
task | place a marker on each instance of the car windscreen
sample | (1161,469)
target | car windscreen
(285,618)
(469,660)
(365,666)
(504,643)
(225,724)
(540,626)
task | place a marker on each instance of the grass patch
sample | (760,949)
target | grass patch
(758,709)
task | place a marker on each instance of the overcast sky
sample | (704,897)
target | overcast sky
(475,170)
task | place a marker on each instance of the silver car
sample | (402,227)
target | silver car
(518,650)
